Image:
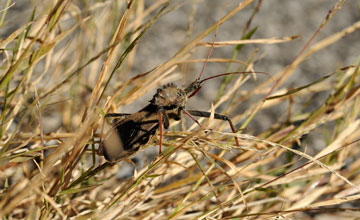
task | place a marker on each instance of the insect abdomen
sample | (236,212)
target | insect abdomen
(125,138)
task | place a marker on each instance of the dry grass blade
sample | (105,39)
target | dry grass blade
(280,146)
(253,41)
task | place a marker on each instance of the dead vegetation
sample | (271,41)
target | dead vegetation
(72,62)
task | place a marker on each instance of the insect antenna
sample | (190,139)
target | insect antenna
(233,73)
(208,56)
(196,86)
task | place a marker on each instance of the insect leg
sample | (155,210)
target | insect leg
(191,116)
(216,116)
(163,120)
(160,125)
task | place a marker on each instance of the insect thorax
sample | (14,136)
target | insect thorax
(169,97)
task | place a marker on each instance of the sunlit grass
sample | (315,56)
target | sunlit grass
(72,62)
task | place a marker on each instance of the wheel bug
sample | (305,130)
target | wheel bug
(129,132)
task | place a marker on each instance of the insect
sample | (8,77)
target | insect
(130,132)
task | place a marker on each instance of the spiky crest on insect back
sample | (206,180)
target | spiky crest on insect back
(169,85)
(169,97)
(158,91)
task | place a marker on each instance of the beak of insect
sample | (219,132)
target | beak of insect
(194,92)
(193,88)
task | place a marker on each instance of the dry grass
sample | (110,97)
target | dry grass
(70,64)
